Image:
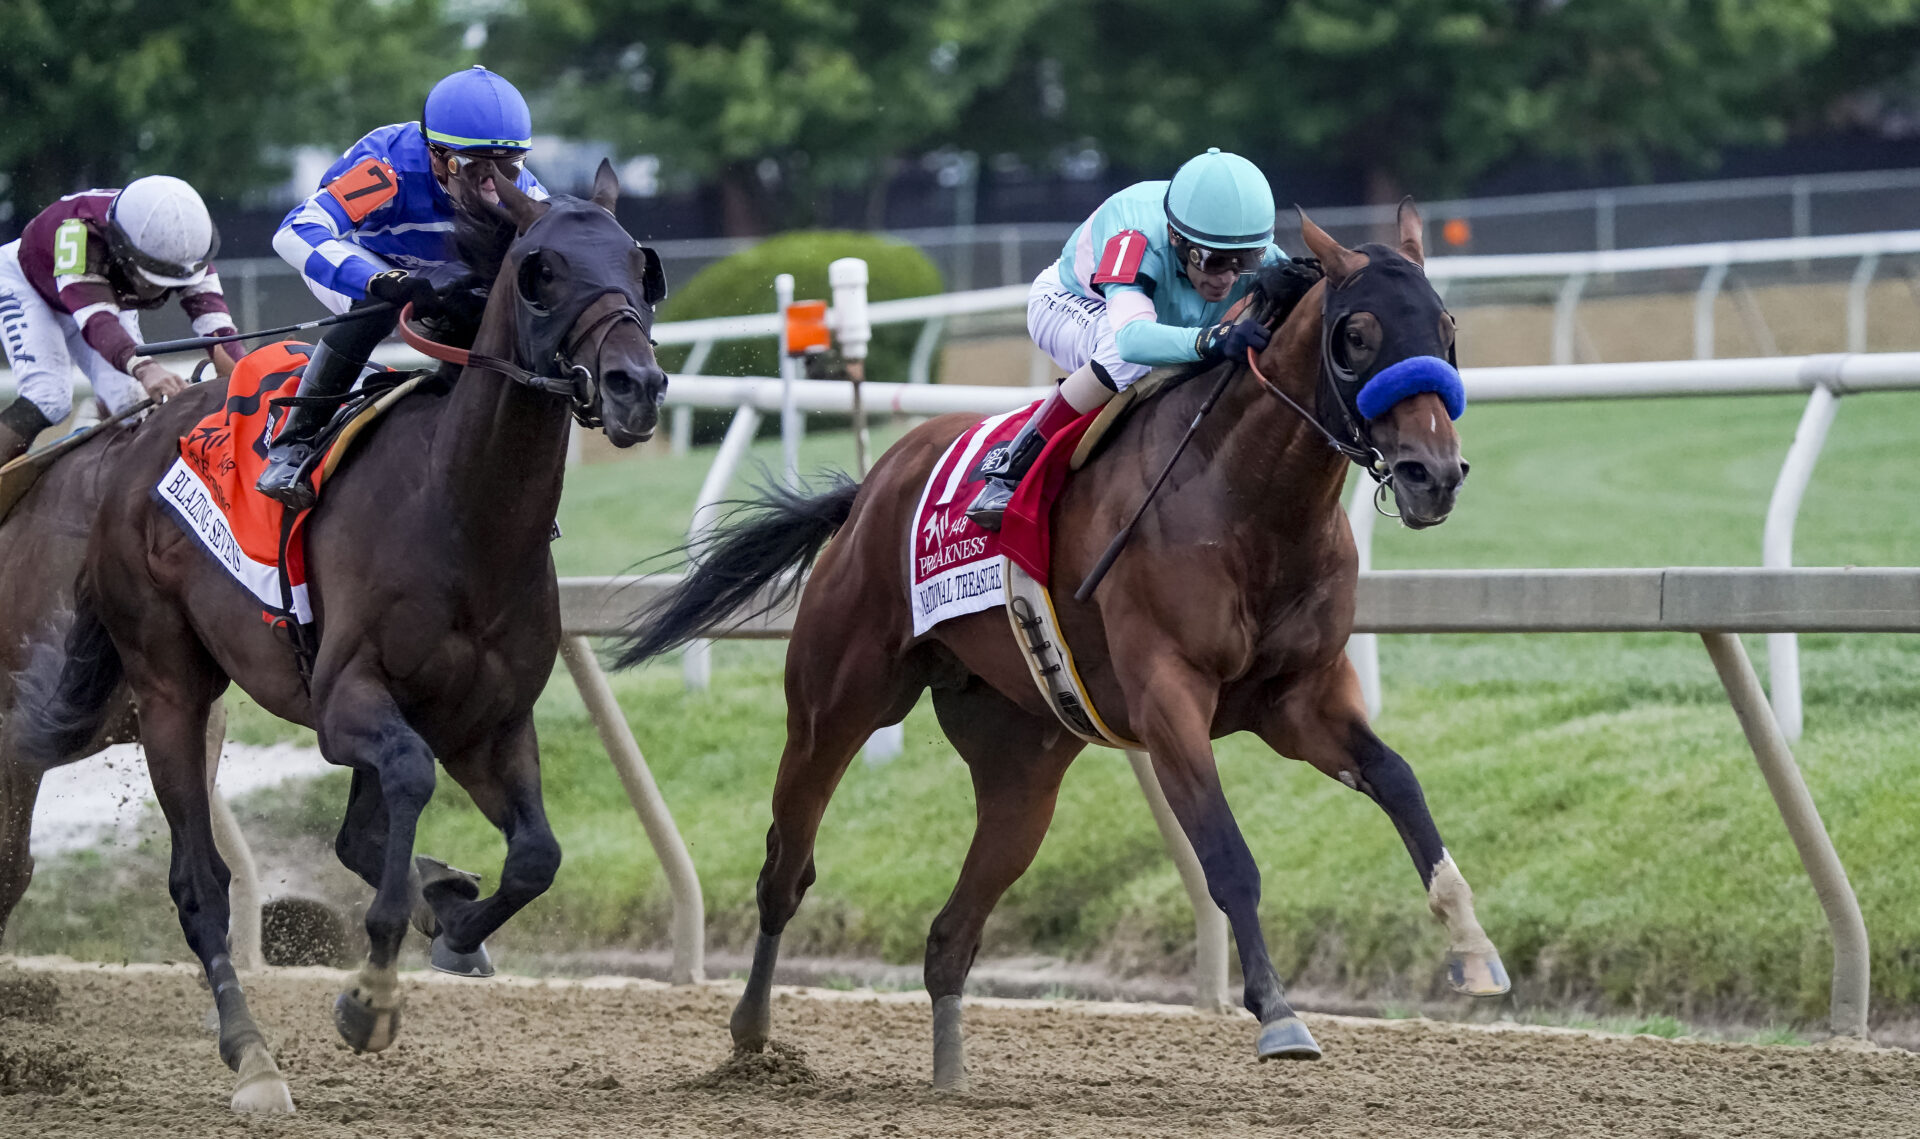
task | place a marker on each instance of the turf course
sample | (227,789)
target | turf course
(1595,789)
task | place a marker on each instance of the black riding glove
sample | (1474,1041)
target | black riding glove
(399,288)
(1231,340)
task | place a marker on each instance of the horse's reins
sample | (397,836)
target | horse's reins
(1369,460)
(578,386)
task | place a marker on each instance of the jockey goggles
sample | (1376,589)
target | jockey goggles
(509,162)
(1219,260)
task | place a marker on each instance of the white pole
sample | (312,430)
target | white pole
(1703,304)
(1363,649)
(1209,921)
(848,278)
(243,891)
(1776,544)
(689,908)
(1857,302)
(789,414)
(696,667)
(1847,1002)
(1564,309)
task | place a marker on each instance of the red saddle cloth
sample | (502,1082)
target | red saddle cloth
(956,563)
(209,488)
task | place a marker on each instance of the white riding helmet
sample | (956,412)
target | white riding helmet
(158,229)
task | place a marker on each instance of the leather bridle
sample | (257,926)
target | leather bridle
(571,379)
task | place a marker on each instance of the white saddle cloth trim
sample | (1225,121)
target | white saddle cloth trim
(182,490)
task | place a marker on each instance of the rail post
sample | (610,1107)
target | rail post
(1363,649)
(696,665)
(790,421)
(689,908)
(1209,921)
(1847,1013)
(1564,309)
(1776,538)
(1857,290)
(243,891)
(1704,300)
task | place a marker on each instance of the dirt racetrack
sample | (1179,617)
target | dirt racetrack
(126,1052)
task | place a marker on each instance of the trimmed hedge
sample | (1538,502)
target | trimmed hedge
(743,284)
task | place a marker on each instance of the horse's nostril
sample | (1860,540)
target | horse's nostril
(1412,473)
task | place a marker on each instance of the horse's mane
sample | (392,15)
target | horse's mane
(1279,287)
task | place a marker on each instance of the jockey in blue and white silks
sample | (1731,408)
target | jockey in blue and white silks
(381,220)
(1145,282)
(384,204)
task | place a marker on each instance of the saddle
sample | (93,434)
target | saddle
(209,488)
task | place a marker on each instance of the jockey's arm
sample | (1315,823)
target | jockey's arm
(1139,336)
(310,240)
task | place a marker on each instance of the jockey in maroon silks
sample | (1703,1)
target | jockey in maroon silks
(72,289)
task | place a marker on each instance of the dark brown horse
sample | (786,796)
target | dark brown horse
(1229,612)
(42,543)
(434,598)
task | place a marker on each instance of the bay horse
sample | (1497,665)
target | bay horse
(1229,612)
(435,604)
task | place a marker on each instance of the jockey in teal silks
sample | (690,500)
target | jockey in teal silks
(1145,282)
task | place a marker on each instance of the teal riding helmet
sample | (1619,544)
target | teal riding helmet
(1221,201)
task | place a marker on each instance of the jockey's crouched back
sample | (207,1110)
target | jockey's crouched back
(72,289)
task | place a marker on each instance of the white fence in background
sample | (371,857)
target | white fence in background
(1827,378)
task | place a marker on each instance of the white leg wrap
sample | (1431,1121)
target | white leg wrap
(1083,390)
(1451,900)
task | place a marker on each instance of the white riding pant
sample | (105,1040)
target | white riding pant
(1074,330)
(44,346)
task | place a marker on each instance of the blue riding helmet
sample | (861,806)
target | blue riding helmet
(1221,201)
(477,110)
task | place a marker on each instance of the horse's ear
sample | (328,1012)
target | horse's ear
(1337,260)
(1412,232)
(523,210)
(606,186)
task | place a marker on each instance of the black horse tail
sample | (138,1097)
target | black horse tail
(63,691)
(773,538)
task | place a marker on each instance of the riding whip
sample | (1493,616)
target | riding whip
(194,343)
(1119,542)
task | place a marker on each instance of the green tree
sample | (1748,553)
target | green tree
(776,100)
(94,92)
(1427,94)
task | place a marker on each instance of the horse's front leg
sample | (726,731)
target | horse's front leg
(1324,723)
(1175,715)
(359,724)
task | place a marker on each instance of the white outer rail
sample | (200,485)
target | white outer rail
(1824,377)
(1718,604)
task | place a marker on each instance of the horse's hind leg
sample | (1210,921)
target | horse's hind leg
(1325,723)
(359,719)
(839,689)
(19,790)
(173,731)
(1017,762)
(504,782)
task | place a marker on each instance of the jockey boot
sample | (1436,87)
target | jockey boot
(333,366)
(328,376)
(1060,408)
(19,423)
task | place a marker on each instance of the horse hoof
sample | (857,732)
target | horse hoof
(259,1088)
(449,960)
(264,1095)
(751,1027)
(1477,974)
(1286,1039)
(364,1027)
